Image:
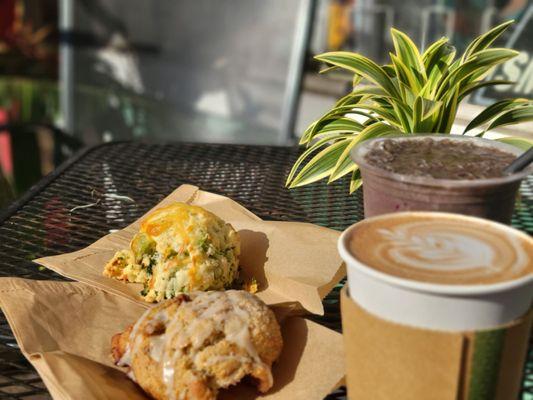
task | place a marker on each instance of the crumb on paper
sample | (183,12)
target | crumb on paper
(251,286)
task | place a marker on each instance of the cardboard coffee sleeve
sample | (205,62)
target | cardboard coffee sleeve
(387,360)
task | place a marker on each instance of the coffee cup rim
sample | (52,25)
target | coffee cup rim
(429,287)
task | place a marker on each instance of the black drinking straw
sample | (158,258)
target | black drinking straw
(520,163)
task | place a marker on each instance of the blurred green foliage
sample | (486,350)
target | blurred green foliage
(29,100)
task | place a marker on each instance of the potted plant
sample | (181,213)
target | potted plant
(417,93)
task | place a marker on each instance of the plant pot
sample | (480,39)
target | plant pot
(386,192)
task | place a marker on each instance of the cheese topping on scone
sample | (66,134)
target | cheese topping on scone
(178,249)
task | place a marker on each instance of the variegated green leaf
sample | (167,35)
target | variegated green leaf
(430,107)
(342,125)
(340,112)
(355,181)
(478,75)
(317,126)
(493,110)
(404,116)
(448,112)
(408,53)
(371,121)
(418,109)
(356,80)
(389,70)
(336,126)
(381,112)
(484,41)
(305,138)
(357,95)
(362,66)
(409,95)
(473,86)
(344,164)
(425,115)
(328,69)
(483,59)
(437,74)
(438,54)
(405,75)
(321,165)
(324,141)
(512,117)
(521,143)
(371,91)
(350,98)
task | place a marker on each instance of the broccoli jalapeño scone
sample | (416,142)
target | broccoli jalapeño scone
(179,249)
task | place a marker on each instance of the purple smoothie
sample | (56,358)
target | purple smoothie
(464,181)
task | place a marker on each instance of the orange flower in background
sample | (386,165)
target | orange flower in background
(17,33)
(340,25)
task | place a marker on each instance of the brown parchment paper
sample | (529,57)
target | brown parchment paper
(292,261)
(65,330)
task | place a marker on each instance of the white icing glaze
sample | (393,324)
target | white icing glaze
(208,313)
(133,342)
(157,341)
(211,312)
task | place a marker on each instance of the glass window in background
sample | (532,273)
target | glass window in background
(197,70)
(363,26)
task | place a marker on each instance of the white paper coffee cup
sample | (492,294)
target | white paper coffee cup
(448,307)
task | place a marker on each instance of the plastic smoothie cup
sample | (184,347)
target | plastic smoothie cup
(385,191)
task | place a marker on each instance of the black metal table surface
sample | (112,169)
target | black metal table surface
(48,219)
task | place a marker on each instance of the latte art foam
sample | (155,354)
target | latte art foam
(449,250)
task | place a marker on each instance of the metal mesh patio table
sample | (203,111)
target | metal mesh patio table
(42,223)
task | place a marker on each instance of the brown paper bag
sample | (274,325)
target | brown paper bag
(65,330)
(292,262)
